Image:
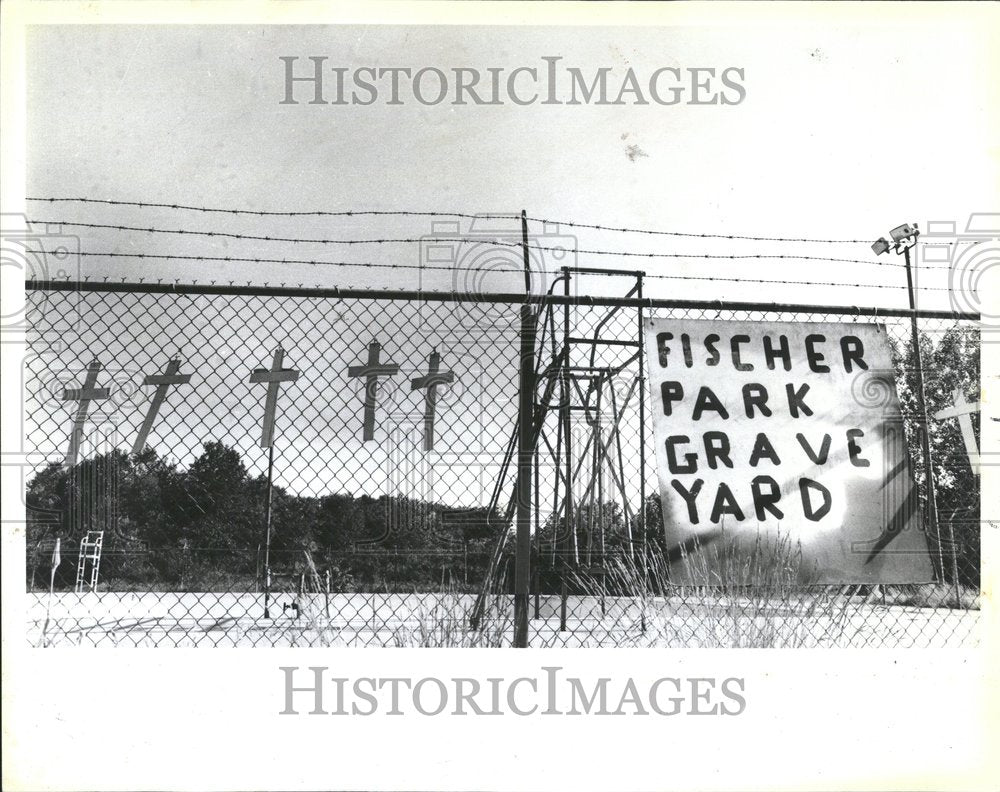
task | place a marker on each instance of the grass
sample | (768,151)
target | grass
(441,620)
(736,594)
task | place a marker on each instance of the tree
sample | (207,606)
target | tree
(952,363)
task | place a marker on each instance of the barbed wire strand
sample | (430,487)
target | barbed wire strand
(465,215)
(265,213)
(443,268)
(412,213)
(695,235)
(476,239)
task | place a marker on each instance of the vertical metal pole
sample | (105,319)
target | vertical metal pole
(537,568)
(569,538)
(525,456)
(642,454)
(524,248)
(932,515)
(599,457)
(267,531)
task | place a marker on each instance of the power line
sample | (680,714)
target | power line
(475,240)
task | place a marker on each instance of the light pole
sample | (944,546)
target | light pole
(904,238)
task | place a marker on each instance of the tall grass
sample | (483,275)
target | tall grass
(748,592)
(442,619)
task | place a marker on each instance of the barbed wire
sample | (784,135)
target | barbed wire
(412,213)
(695,235)
(262,260)
(799,283)
(264,213)
(456,268)
(477,240)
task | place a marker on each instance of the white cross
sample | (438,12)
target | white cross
(273,376)
(962,410)
(85,395)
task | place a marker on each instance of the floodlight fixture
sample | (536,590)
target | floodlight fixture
(903,238)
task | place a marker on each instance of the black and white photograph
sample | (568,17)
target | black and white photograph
(656,331)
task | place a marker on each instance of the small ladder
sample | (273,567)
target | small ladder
(90,550)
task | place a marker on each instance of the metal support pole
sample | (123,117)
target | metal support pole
(567,427)
(527,257)
(326,593)
(525,456)
(642,455)
(569,531)
(537,567)
(267,531)
(932,515)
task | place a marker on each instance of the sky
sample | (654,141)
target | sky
(845,132)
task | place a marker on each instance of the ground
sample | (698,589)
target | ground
(223,619)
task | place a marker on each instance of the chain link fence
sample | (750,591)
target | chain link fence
(392,480)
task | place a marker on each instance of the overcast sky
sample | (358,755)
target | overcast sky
(844,133)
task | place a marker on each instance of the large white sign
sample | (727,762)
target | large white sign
(783,433)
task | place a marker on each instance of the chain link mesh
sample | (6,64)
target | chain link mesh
(388,543)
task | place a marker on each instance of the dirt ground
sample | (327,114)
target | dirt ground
(222,619)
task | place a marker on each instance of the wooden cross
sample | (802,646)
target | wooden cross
(273,376)
(371,371)
(431,380)
(962,410)
(162,382)
(85,395)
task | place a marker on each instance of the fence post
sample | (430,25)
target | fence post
(267,532)
(525,457)
(326,593)
(642,455)
(932,515)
